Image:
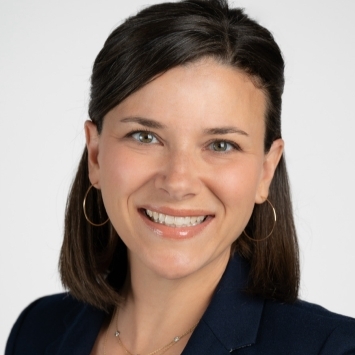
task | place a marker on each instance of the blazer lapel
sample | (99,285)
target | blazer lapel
(232,319)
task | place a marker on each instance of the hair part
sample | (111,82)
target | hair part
(93,261)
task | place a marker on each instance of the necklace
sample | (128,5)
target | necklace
(159,351)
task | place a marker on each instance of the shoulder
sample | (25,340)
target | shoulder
(50,309)
(42,322)
(46,306)
(311,325)
(257,325)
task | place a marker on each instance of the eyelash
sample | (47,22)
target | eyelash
(233,145)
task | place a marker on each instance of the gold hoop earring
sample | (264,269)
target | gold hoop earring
(84,209)
(273,227)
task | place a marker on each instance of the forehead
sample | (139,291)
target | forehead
(203,91)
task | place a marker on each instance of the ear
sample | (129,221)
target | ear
(271,160)
(92,145)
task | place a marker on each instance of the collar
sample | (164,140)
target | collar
(232,319)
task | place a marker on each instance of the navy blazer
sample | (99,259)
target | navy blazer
(233,323)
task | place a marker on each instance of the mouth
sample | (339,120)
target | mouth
(174,221)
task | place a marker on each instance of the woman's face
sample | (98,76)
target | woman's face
(181,164)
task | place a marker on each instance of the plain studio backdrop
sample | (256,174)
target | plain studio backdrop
(46,53)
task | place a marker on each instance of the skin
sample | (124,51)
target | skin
(203,155)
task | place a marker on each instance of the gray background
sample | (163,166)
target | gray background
(46,52)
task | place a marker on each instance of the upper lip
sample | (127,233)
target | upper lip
(177,212)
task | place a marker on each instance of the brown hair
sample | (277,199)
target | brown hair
(93,261)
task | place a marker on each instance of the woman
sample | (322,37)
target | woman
(179,235)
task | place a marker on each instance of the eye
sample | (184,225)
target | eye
(222,146)
(144,137)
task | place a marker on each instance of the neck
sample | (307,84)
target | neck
(157,309)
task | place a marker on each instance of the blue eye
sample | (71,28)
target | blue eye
(145,137)
(221,146)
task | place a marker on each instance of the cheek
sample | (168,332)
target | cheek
(119,176)
(119,168)
(122,174)
(237,187)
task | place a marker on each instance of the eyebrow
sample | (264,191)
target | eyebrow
(225,130)
(147,122)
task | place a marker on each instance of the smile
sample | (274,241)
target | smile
(173,221)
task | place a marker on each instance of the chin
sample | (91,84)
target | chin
(174,267)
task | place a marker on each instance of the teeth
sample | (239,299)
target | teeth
(200,219)
(179,221)
(174,221)
(155,216)
(187,221)
(169,220)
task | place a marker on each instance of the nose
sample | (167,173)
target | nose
(179,176)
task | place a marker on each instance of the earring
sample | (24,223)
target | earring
(84,209)
(273,227)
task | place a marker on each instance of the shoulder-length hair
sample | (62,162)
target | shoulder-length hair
(93,261)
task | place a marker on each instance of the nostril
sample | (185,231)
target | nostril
(177,181)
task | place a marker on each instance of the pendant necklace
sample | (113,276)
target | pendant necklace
(159,351)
